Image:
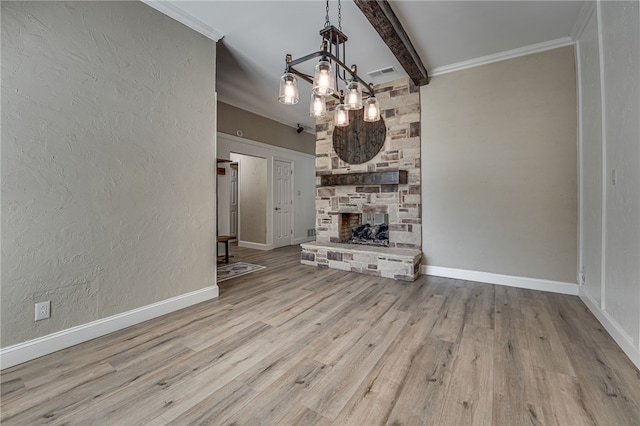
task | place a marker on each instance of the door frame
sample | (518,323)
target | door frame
(228,144)
(268,244)
(291,197)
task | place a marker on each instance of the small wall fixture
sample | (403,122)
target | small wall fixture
(330,72)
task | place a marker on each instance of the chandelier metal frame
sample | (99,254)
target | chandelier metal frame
(332,53)
(337,39)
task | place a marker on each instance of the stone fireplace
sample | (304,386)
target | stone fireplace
(389,184)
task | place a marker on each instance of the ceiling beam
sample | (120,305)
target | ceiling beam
(386,23)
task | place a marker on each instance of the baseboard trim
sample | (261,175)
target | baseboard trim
(612,327)
(256,246)
(507,280)
(303,240)
(26,351)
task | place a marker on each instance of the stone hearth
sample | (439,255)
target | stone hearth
(399,264)
(367,191)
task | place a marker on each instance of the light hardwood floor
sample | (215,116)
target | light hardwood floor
(292,344)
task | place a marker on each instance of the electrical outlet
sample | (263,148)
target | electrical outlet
(43,310)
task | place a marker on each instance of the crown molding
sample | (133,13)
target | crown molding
(175,12)
(583,17)
(284,153)
(508,54)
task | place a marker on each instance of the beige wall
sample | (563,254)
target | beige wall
(499,168)
(252,194)
(108,196)
(261,129)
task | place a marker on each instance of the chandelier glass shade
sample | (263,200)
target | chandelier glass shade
(289,89)
(341,116)
(371,110)
(330,73)
(318,105)
(353,97)
(323,81)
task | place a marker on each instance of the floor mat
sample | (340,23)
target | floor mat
(233,270)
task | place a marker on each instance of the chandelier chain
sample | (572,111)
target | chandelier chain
(327,23)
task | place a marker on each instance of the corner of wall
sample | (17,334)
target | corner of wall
(607,39)
(613,328)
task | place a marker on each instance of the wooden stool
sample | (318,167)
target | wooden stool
(225,239)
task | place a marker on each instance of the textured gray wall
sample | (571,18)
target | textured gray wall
(108,196)
(620,30)
(609,60)
(499,168)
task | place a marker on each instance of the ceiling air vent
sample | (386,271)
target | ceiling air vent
(381,72)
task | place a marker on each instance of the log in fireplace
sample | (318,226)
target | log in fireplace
(367,229)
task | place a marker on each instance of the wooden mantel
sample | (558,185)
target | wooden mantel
(400,177)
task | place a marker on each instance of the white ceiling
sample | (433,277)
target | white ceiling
(256,35)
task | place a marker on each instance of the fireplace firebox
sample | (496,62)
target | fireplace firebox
(368,229)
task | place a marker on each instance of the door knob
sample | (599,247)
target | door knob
(277,208)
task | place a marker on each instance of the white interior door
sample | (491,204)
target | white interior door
(233,200)
(282,201)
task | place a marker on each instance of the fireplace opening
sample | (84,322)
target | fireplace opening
(367,229)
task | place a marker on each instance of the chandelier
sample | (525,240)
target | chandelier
(330,74)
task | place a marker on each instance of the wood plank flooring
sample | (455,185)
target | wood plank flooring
(292,344)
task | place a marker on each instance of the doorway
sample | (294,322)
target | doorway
(233,199)
(251,210)
(282,203)
(227,198)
